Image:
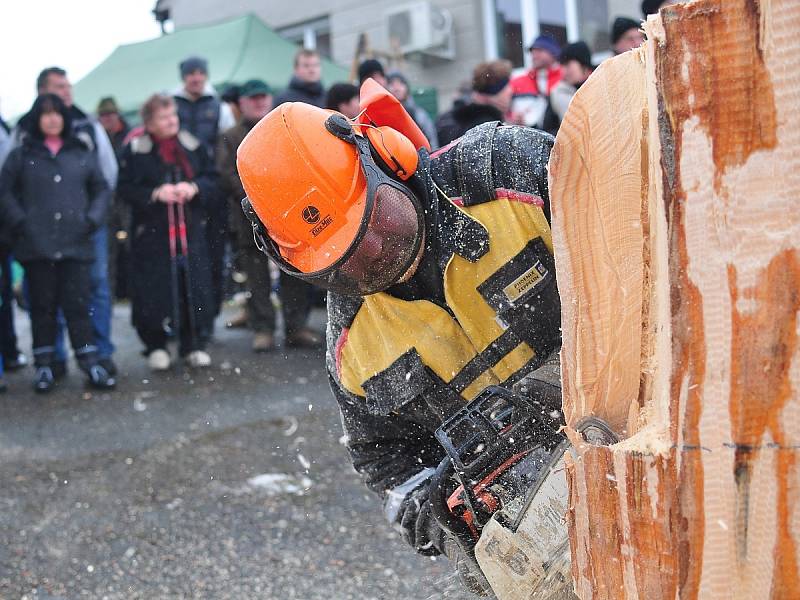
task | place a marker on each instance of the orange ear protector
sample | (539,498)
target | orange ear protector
(395,150)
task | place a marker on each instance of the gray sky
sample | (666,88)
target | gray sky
(73,34)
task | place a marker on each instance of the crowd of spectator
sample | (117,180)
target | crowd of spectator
(87,202)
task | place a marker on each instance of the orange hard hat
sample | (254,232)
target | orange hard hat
(306,185)
(328,199)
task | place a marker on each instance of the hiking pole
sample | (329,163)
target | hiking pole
(190,316)
(173,268)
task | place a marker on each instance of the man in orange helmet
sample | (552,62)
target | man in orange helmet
(440,276)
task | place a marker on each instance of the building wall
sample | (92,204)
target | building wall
(349,18)
(624,8)
(445,75)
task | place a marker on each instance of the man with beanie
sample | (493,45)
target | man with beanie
(576,63)
(305,84)
(201,111)
(371,68)
(626,35)
(205,116)
(255,101)
(397,84)
(532,89)
(545,71)
(115,126)
(490,101)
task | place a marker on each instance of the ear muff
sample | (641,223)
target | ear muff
(395,150)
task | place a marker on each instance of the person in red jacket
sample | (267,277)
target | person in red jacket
(531,89)
(545,72)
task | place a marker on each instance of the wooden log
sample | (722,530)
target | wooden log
(675,181)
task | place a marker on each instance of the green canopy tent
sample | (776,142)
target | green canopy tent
(237,50)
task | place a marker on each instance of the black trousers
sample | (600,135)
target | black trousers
(217,234)
(66,284)
(294,293)
(155,337)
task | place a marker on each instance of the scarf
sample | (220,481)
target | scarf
(172,153)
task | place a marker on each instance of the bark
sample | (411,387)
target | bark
(674,186)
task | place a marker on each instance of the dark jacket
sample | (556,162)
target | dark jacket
(390,429)
(117,139)
(5,148)
(310,92)
(89,131)
(463,117)
(230,184)
(200,117)
(53,203)
(141,171)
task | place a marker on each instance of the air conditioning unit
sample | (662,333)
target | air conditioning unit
(421,28)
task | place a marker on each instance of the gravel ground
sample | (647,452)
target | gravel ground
(231,483)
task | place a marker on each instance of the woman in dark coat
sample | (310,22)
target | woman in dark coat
(54,198)
(161,172)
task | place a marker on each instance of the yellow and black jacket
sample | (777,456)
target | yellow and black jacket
(482,308)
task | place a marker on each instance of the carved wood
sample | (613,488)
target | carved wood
(675,187)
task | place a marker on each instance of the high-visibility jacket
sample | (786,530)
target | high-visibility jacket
(482,309)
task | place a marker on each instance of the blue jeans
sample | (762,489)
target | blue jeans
(100,306)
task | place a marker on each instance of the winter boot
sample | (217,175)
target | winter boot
(109,365)
(44,380)
(99,377)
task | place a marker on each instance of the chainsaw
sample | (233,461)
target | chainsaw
(501,493)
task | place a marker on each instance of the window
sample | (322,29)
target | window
(314,35)
(593,23)
(509,31)
(513,24)
(553,19)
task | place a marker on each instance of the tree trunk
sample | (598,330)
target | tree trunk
(675,182)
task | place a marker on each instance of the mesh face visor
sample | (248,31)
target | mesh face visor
(386,245)
(388,248)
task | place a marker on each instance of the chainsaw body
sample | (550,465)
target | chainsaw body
(502,492)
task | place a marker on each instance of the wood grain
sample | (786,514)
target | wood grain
(674,185)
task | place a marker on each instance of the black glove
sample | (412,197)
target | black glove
(417,524)
(469,572)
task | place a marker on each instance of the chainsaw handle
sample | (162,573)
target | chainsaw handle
(438,494)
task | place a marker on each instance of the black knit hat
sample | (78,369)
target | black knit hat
(578,51)
(368,68)
(650,7)
(620,26)
(192,64)
(399,76)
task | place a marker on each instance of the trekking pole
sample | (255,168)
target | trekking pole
(173,267)
(190,316)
